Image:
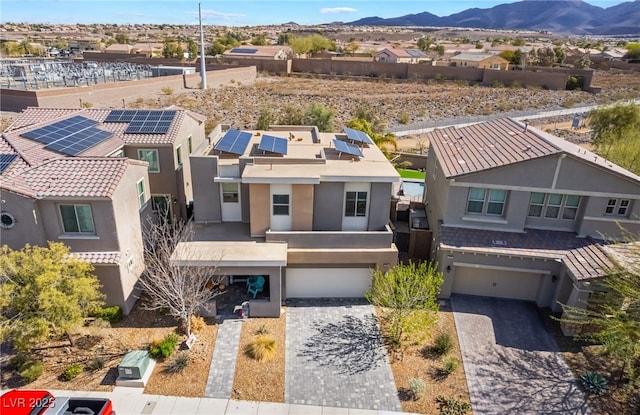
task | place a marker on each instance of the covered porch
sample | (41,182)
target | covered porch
(240,263)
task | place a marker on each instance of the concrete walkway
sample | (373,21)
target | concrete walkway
(223,362)
(512,364)
(335,357)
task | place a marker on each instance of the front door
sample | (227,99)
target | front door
(230,196)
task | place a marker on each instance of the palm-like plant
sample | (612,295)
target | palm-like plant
(383,141)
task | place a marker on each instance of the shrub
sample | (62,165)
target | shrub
(95,364)
(404,118)
(30,370)
(262,330)
(452,406)
(167,90)
(164,348)
(262,348)
(497,84)
(442,344)
(594,383)
(516,84)
(417,387)
(86,104)
(197,324)
(17,361)
(111,314)
(179,363)
(449,365)
(72,372)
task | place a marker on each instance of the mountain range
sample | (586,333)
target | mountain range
(557,16)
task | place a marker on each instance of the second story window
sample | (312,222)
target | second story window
(151,157)
(281,205)
(179,155)
(77,219)
(230,193)
(355,204)
(141,196)
(486,201)
(618,207)
(553,206)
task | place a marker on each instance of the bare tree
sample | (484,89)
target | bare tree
(181,290)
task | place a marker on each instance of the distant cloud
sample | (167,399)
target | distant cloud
(334,10)
(219,15)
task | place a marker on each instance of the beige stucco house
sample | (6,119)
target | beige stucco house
(90,178)
(308,211)
(397,55)
(274,52)
(480,60)
(519,213)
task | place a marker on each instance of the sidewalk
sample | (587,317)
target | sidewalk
(131,401)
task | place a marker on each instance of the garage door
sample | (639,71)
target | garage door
(327,282)
(496,283)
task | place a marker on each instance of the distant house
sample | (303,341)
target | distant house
(276,52)
(147,49)
(396,55)
(119,48)
(480,60)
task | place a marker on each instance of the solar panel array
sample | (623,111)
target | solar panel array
(71,136)
(416,53)
(234,141)
(273,144)
(357,136)
(243,50)
(146,122)
(5,160)
(343,147)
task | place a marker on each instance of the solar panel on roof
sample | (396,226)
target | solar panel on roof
(343,147)
(58,130)
(6,159)
(357,135)
(150,122)
(243,50)
(416,53)
(80,141)
(121,115)
(273,144)
(234,141)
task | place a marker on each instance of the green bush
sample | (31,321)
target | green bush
(111,314)
(449,365)
(452,406)
(417,387)
(95,364)
(442,344)
(166,347)
(72,372)
(30,370)
(594,383)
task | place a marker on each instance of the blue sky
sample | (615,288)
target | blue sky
(230,13)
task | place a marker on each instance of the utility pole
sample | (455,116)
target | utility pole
(203,66)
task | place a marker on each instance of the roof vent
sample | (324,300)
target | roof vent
(499,242)
(527,148)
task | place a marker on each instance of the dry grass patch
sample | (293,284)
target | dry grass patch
(420,362)
(261,380)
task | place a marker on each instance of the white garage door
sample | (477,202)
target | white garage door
(496,283)
(327,282)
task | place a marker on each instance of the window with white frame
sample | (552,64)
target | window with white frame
(230,193)
(554,206)
(281,205)
(355,204)
(486,201)
(141,196)
(618,207)
(151,157)
(179,155)
(77,219)
(190,144)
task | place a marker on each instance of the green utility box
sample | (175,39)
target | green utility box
(134,365)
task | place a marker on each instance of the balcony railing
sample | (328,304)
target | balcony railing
(333,239)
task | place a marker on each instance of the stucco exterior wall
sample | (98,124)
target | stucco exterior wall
(328,206)
(302,202)
(380,201)
(381,258)
(206,193)
(260,208)
(28,227)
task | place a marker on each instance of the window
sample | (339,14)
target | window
(280,204)
(77,219)
(179,155)
(617,207)
(190,144)
(554,206)
(141,196)
(355,204)
(230,193)
(486,201)
(160,203)
(151,157)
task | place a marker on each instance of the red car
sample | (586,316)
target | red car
(41,402)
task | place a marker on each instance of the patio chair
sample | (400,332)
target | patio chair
(252,279)
(256,287)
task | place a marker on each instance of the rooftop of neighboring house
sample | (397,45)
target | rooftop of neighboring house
(503,142)
(405,53)
(475,57)
(258,51)
(310,157)
(586,258)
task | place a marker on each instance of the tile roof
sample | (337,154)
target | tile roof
(502,142)
(584,257)
(475,57)
(76,177)
(106,257)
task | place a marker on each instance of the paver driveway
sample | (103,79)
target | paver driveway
(335,356)
(512,364)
